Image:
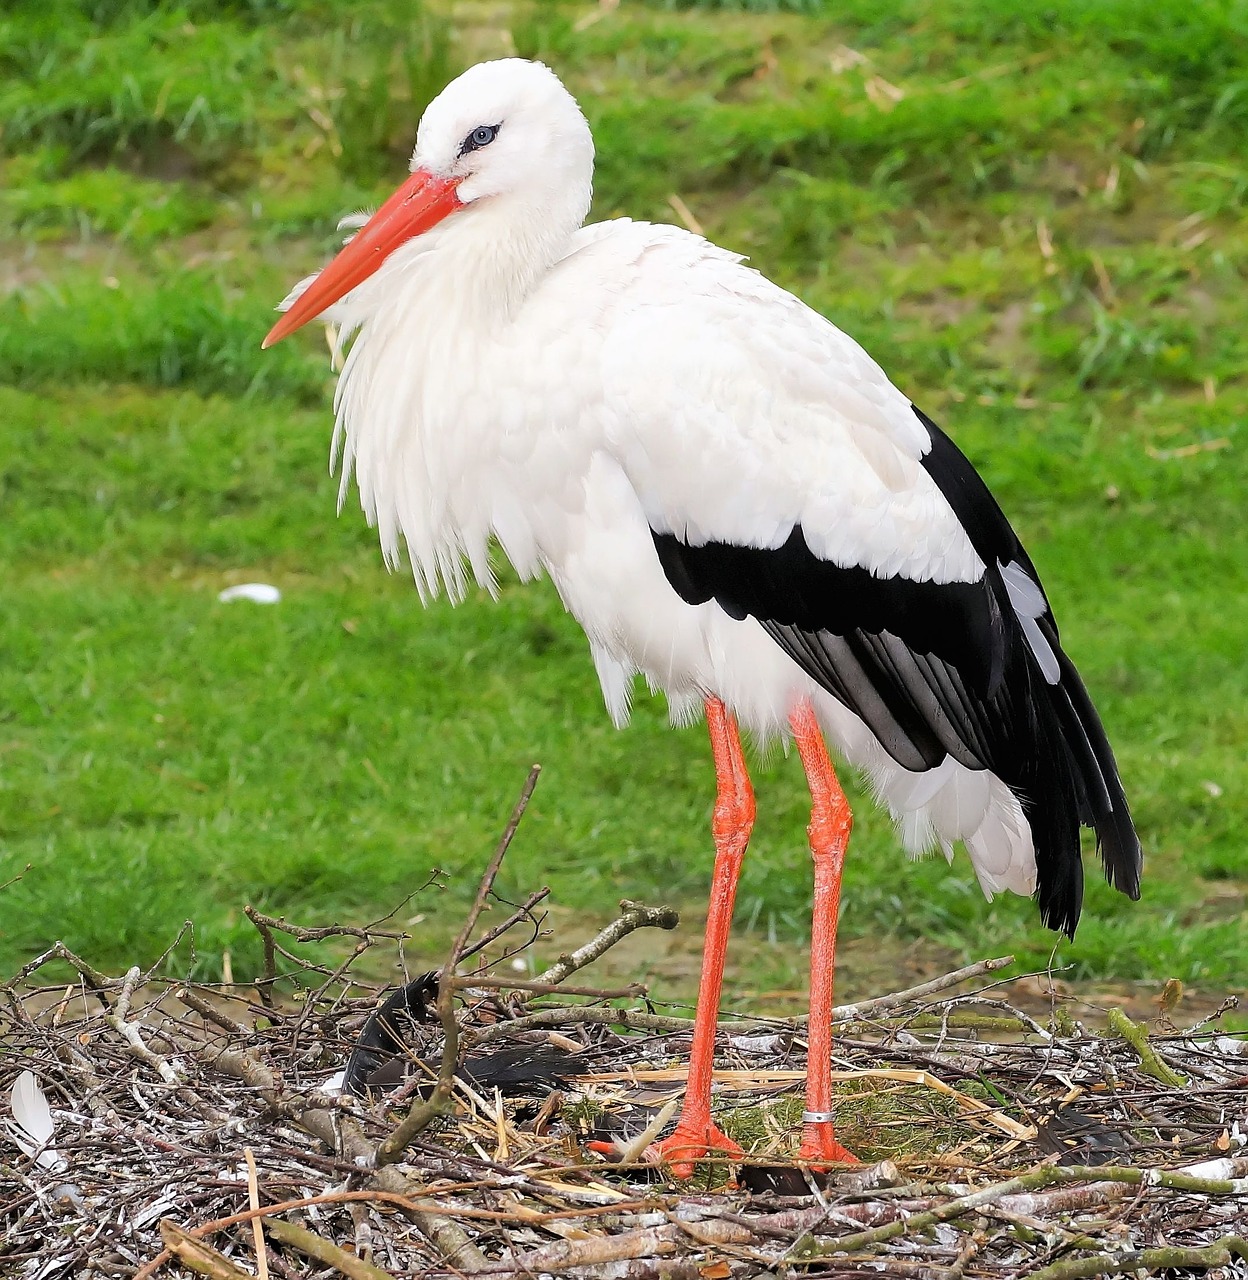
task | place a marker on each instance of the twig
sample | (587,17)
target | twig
(265,925)
(635,916)
(97,981)
(188,926)
(118,1019)
(523,911)
(633,1019)
(12,880)
(340,1133)
(257,1228)
(320,932)
(433,878)
(424,1111)
(337,1131)
(869,1008)
(535,986)
(197,1255)
(325,1251)
(1137,1037)
(130,1033)
(965,1254)
(268,974)
(1231,1002)
(312,999)
(450,1239)
(1218,1254)
(1014,1015)
(206,1009)
(639,1021)
(401,1199)
(623,1246)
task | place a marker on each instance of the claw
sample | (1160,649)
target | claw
(691,1142)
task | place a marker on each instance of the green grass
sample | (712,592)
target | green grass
(1033,219)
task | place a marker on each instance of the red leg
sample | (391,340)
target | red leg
(696,1133)
(830,824)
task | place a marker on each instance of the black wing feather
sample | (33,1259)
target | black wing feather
(938,669)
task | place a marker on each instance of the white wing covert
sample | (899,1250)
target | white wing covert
(738,422)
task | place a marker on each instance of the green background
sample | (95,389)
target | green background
(1031,215)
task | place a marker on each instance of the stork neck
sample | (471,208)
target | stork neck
(496,254)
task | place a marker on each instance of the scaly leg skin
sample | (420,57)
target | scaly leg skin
(696,1134)
(830,824)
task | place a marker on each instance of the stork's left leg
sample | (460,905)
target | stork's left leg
(830,824)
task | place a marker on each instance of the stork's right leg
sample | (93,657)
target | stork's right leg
(696,1133)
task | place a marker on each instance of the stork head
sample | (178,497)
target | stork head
(506,137)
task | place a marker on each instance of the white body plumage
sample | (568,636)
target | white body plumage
(579,392)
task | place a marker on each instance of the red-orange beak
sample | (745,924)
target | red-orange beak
(420,203)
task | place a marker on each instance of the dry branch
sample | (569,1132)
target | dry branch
(425,1111)
(206,1009)
(130,1033)
(308,1242)
(647,1242)
(1219,1254)
(197,1255)
(636,1020)
(97,981)
(586,1015)
(635,916)
(257,1227)
(537,987)
(881,1004)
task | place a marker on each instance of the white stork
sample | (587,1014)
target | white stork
(732,499)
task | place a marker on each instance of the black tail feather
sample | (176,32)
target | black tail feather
(1105,810)
(1069,780)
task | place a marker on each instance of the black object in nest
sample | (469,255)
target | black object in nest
(385,1048)
(397,1036)
(1079,1138)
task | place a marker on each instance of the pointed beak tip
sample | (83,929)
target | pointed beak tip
(420,203)
(279,331)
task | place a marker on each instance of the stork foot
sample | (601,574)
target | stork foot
(820,1147)
(691,1141)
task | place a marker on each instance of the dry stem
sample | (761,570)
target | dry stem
(424,1111)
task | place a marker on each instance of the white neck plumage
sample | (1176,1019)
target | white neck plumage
(418,374)
(478,267)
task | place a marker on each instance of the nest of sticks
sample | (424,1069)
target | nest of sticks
(314,1123)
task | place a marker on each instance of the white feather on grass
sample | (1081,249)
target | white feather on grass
(32,1127)
(256,592)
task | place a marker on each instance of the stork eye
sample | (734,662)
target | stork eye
(480,137)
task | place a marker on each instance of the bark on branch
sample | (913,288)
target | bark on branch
(635,916)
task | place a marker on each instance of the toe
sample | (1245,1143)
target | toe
(688,1144)
(820,1147)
